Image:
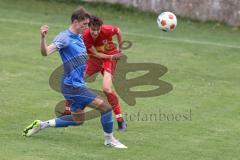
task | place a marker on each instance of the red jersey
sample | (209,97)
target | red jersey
(104,42)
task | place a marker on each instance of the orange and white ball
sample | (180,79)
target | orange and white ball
(167,21)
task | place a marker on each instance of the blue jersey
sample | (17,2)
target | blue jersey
(73,54)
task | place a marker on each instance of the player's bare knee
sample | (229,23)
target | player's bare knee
(107,90)
(106,107)
(100,105)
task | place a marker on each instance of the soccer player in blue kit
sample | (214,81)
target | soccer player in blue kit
(72,50)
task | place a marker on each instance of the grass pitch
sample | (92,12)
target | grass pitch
(203,69)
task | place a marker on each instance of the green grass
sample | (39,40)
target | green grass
(205,79)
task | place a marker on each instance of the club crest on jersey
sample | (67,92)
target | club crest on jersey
(108,46)
(105,41)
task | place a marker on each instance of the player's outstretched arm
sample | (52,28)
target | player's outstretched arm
(45,49)
(115,56)
(118,56)
(119,38)
(98,54)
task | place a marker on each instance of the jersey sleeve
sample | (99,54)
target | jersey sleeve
(61,41)
(115,30)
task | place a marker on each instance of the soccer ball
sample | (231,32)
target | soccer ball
(167,21)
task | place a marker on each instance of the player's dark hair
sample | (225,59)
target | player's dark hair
(80,14)
(95,21)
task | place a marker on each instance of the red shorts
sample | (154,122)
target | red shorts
(95,65)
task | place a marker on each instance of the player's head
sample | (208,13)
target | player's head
(80,19)
(95,25)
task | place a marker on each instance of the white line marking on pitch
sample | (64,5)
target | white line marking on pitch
(189,41)
(185,40)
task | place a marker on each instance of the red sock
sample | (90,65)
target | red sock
(113,101)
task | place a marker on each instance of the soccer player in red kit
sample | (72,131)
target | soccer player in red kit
(103,56)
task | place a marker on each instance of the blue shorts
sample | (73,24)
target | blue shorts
(78,98)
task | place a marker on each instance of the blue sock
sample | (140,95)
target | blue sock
(65,121)
(107,122)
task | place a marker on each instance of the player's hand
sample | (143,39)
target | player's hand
(44,31)
(118,56)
